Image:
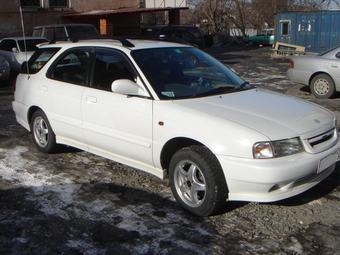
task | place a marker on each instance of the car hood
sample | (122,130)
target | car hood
(274,115)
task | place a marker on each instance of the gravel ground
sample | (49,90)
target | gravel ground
(72,202)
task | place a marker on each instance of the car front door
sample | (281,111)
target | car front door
(116,126)
(261,37)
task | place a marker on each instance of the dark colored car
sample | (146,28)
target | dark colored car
(4,69)
(186,34)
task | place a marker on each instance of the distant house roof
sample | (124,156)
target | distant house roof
(122,10)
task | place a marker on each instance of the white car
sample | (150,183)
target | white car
(16,50)
(175,112)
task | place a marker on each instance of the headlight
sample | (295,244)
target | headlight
(276,149)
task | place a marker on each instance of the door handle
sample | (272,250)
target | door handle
(334,65)
(44,88)
(91,99)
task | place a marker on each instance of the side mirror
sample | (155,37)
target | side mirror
(128,87)
(15,50)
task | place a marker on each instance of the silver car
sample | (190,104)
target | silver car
(13,50)
(320,72)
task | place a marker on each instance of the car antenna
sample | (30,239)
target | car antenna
(23,34)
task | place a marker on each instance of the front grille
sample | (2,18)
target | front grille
(316,140)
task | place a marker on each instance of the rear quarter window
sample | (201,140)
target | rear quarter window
(38,60)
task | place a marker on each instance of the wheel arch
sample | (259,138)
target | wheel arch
(318,73)
(173,145)
(30,113)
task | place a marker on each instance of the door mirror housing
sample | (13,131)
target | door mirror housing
(128,87)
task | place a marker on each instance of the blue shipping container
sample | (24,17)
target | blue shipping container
(317,30)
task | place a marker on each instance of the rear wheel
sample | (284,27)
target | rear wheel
(322,86)
(197,181)
(251,43)
(42,133)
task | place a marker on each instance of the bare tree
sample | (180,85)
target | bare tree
(214,13)
(241,14)
(220,15)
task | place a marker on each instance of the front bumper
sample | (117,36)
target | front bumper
(298,76)
(268,180)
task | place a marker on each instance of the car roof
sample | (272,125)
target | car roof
(133,44)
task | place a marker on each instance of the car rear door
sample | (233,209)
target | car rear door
(116,126)
(334,70)
(61,95)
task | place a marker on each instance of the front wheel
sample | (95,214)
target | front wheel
(42,133)
(322,86)
(197,181)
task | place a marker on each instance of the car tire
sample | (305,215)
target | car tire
(197,181)
(322,86)
(42,133)
(251,43)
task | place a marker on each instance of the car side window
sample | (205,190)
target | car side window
(8,45)
(110,65)
(71,67)
(55,33)
(38,60)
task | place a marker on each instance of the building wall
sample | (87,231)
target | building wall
(165,3)
(316,31)
(90,5)
(122,24)
(10,18)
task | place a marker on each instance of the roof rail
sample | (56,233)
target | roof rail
(123,41)
(164,39)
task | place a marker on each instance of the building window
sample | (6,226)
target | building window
(58,3)
(284,28)
(142,4)
(30,3)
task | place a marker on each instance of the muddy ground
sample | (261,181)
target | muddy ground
(72,202)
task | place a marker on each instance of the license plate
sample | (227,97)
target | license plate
(327,162)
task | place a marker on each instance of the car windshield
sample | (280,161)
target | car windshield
(186,72)
(31,44)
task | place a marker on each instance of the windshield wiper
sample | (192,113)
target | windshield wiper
(244,86)
(219,90)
